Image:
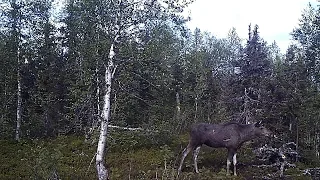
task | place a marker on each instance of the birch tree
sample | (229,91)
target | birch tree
(127,23)
(16,35)
(13,14)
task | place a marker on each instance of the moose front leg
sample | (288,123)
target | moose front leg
(231,158)
(184,155)
(235,164)
(195,158)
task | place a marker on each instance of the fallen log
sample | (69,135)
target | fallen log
(278,157)
(313,172)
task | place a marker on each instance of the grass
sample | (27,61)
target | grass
(129,156)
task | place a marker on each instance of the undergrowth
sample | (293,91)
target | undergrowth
(130,155)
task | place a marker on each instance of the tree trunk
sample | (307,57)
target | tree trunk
(100,164)
(98,91)
(19,100)
(97,121)
(19,109)
(317,146)
(196,108)
(208,109)
(290,126)
(3,116)
(297,138)
(178,106)
(98,86)
(246,107)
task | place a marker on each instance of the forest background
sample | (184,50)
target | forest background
(164,77)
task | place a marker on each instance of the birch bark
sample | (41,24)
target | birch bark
(100,164)
(19,101)
(19,109)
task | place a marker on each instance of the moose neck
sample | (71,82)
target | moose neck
(247,133)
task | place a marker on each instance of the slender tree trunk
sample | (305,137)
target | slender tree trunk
(100,164)
(290,126)
(178,112)
(19,110)
(115,104)
(208,109)
(97,119)
(4,113)
(98,85)
(98,94)
(297,138)
(196,108)
(178,106)
(19,101)
(317,145)
(246,108)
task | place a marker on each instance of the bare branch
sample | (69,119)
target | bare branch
(131,129)
(134,95)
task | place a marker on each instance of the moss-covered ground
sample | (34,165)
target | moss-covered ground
(130,155)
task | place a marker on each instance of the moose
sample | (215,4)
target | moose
(229,135)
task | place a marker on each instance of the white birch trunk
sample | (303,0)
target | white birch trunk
(19,102)
(178,106)
(100,164)
(19,110)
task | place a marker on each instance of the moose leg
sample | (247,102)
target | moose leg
(229,160)
(184,155)
(234,164)
(195,158)
(228,166)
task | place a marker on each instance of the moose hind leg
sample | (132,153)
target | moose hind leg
(228,166)
(184,155)
(195,158)
(229,160)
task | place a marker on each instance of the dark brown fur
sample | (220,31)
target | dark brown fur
(229,135)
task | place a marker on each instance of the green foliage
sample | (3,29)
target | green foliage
(307,34)
(46,162)
(62,66)
(249,86)
(68,157)
(45,159)
(308,158)
(131,140)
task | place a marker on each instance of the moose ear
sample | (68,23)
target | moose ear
(258,124)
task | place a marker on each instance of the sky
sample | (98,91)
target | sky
(276,18)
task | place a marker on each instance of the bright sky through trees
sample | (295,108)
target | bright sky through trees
(275,18)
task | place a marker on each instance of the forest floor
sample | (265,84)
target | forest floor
(131,155)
